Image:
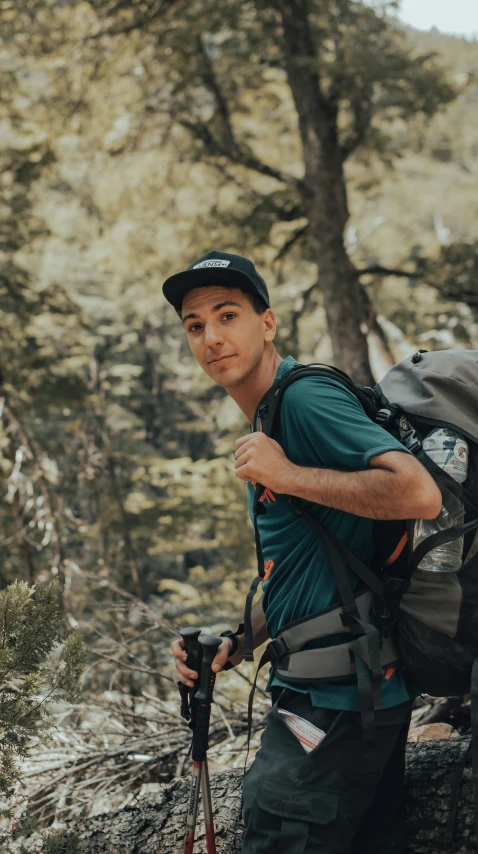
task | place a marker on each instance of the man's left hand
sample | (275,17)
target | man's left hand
(262,460)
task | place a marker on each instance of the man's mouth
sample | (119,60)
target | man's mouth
(221,359)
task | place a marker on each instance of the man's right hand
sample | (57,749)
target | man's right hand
(188,676)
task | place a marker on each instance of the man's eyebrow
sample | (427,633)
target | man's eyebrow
(215,308)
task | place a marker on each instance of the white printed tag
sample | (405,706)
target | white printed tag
(308,734)
(460,457)
(216,263)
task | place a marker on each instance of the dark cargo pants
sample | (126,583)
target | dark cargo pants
(345,797)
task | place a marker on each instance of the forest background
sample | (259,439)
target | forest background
(134,137)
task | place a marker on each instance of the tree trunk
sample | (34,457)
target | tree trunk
(325,196)
(158,827)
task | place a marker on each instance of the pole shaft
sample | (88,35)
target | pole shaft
(192,808)
(207,807)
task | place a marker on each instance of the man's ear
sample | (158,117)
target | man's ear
(270,326)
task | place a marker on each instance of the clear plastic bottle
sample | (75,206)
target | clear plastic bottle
(449,451)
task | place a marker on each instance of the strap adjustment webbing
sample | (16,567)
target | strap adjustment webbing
(333,663)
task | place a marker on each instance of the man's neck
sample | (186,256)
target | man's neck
(249,394)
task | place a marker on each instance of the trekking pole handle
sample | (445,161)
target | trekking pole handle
(209,646)
(191,646)
(193,660)
(203,697)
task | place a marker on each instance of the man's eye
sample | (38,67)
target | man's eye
(229,315)
(194,327)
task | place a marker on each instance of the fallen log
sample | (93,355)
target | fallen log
(157,827)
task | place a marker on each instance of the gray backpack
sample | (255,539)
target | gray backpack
(427,622)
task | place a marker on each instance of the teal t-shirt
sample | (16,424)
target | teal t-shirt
(322,425)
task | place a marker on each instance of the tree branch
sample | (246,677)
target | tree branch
(230,147)
(242,158)
(291,242)
(378,270)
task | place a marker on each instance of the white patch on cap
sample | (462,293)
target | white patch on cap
(212,264)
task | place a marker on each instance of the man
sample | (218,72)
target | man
(345,797)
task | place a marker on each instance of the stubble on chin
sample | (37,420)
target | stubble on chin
(226,379)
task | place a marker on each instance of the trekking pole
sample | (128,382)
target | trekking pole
(209,645)
(202,712)
(193,652)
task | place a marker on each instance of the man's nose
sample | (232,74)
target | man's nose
(213,335)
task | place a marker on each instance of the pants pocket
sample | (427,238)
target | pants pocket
(283,817)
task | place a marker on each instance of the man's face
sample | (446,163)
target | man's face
(225,334)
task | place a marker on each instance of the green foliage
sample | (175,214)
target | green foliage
(39,662)
(60,842)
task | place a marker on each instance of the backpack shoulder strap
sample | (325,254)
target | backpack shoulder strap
(268,411)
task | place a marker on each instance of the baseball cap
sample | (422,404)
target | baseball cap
(216,268)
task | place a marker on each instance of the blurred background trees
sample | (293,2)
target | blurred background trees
(337,150)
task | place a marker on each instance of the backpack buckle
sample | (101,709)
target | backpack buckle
(411,442)
(277,648)
(385,416)
(408,436)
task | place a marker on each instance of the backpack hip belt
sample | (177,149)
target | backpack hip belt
(331,663)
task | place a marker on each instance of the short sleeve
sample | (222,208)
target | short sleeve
(324,424)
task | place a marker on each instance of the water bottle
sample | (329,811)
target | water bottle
(449,451)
